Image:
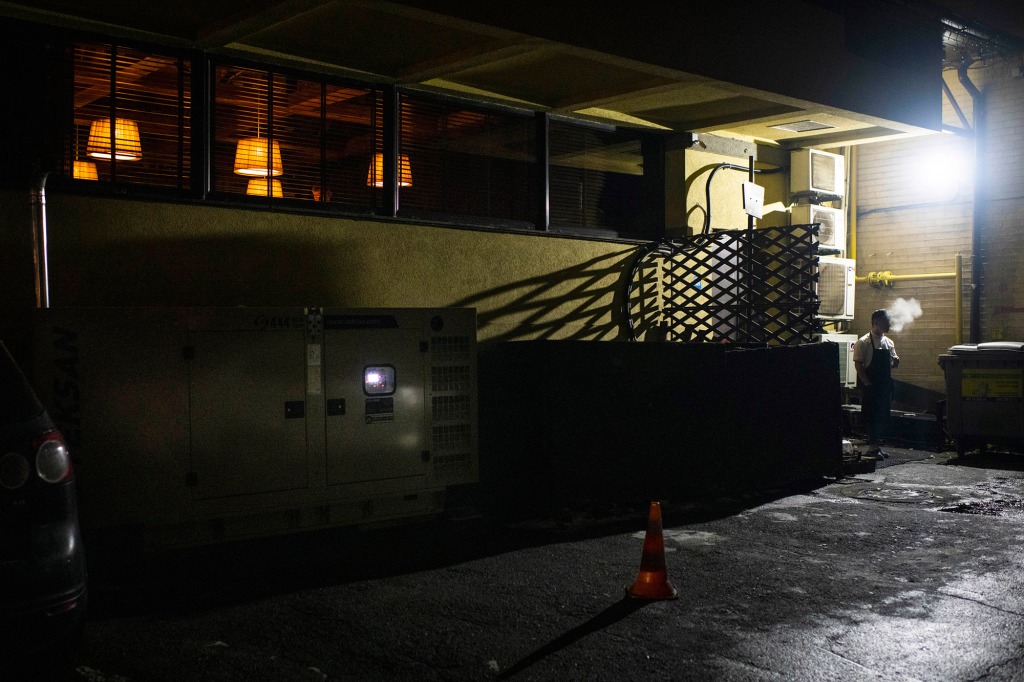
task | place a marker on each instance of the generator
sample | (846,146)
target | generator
(197,425)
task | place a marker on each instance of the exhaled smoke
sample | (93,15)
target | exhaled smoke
(902,312)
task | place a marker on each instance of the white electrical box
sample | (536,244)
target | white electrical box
(202,424)
(753,199)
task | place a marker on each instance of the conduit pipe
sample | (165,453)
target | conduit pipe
(886,279)
(40,246)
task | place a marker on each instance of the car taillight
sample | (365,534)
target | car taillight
(52,461)
(13,470)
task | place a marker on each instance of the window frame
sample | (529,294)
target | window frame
(419,214)
(386,203)
(272,72)
(118,186)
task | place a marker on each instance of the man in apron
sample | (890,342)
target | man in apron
(874,356)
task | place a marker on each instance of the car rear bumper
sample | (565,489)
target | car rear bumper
(42,644)
(43,599)
(51,571)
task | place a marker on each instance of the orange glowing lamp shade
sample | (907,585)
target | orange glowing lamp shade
(251,158)
(84,170)
(127,144)
(258,187)
(375,176)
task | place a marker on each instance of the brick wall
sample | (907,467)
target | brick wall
(1002,254)
(911,225)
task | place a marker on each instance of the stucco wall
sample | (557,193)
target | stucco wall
(727,192)
(108,252)
(16,271)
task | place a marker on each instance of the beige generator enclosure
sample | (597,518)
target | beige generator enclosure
(202,424)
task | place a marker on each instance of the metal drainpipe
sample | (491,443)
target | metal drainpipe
(851,178)
(979,199)
(40,246)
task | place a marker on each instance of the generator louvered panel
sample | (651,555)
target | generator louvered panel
(452,449)
(740,286)
(448,408)
(453,412)
(461,460)
(447,348)
(452,437)
(450,378)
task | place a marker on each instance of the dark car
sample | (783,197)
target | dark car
(42,564)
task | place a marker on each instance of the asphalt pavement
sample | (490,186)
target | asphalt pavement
(912,571)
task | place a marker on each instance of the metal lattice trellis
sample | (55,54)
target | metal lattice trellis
(739,286)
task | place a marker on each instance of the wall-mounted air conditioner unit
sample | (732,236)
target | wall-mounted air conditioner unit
(847,371)
(813,171)
(836,287)
(832,233)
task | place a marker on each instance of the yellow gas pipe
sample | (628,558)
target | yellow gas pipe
(886,279)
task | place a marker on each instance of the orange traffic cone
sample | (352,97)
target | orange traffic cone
(652,581)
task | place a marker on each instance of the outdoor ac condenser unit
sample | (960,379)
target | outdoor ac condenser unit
(832,222)
(847,372)
(817,172)
(836,281)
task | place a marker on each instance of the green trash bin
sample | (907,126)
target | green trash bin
(984,394)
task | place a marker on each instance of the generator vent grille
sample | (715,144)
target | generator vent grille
(461,460)
(450,378)
(453,408)
(450,408)
(452,438)
(450,348)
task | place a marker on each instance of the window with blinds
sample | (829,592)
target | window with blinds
(277,136)
(596,178)
(459,159)
(290,138)
(131,118)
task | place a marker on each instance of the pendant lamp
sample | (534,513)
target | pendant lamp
(127,145)
(251,158)
(375,175)
(84,170)
(258,187)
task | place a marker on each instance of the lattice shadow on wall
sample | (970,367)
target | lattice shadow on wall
(740,286)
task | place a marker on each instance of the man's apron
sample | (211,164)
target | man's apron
(879,393)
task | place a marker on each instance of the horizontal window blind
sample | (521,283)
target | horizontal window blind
(353,122)
(148,98)
(596,177)
(278,136)
(463,160)
(241,112)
